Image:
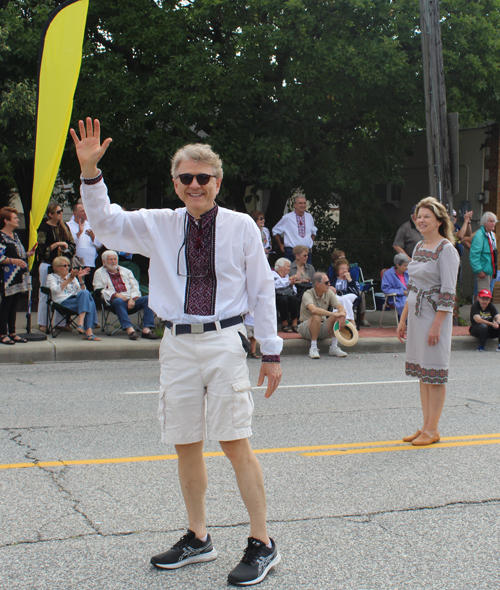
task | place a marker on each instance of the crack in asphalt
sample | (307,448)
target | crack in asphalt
(55,475)
(360,518)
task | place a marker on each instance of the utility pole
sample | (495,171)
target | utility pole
(438,148)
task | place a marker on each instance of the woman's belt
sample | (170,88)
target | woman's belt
(421,293)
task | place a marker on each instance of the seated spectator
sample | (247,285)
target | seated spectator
(336,254)
(395,280)
(346,288)
(484,319)
(121,290)
(287,302)
(319,311)
(300,266)
(249,325)
(68,289)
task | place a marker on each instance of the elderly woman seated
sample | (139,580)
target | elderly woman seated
(287,301)
(347,289)
(395,280)
(300,267)
(68,289)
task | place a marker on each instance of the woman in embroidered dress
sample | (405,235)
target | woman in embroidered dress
(54,239)
(260,220)
(429,306)
(14,277)
(68,289)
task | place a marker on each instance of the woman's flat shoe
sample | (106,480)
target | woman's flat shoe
(7,340)
(412,437)
(81,329)
(295,329)
(42,328)
(287,329)
(92,337)
(17,338)
(68,328)
(425,439)
(254,355)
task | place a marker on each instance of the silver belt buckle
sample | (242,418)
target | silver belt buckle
(197,329)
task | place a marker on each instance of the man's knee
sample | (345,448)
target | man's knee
(236,450)
(314,320)
(190,450)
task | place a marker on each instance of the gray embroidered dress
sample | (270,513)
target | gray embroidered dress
(431,288)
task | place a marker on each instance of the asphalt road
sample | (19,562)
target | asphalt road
(349,505)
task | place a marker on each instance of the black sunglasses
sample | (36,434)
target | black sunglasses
(260,218)
(201,179)
(57,212)
(326,283)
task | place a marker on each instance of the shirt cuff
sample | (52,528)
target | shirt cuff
(271,358)
(94,180)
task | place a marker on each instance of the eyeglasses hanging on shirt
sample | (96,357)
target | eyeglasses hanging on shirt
(183,245)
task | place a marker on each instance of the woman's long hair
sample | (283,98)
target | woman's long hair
(62,230)
(446,228)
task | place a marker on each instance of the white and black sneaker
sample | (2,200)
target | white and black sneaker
(257,561)
(187,550)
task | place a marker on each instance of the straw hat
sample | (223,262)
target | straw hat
(347,336)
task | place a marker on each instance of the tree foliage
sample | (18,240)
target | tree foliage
(318,95)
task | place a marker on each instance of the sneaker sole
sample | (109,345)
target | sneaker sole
(274,562)
(339,356)
(210,556)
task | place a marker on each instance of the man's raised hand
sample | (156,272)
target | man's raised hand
(88,146)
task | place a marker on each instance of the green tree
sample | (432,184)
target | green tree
(318,95)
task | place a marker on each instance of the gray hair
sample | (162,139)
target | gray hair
(401,258)
(280,262)
(317,278)
(486,217)
(104,255)
(197,152)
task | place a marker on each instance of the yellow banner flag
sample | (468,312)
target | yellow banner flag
(58,71)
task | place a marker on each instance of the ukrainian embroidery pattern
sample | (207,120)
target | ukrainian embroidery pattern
(422,255)
(421,294)
(446,299)
(301,224)
(271,358)
(94,180)
(431,376)
(201,283)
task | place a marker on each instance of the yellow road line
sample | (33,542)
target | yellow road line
(321,450)
(407,447)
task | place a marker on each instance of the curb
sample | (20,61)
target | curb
(67,348)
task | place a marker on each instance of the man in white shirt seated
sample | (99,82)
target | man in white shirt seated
(121,290)
(316,320)
(297,228)
(86,242)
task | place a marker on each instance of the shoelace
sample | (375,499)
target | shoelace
(251,552)
(182,542)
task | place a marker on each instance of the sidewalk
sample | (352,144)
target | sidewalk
(71,347)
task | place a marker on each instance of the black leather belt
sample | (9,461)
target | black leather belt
(201,328)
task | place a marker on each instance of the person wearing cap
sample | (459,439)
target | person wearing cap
(483,252)
(407,236)
(484,320)
(317,321)
(207,269)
